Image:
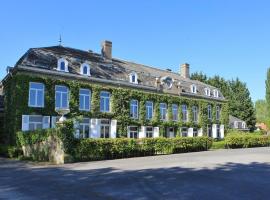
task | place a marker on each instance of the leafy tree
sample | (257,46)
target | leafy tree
(237,94)
(267,86)
(262,112)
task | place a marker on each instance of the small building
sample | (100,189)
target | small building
(236,123)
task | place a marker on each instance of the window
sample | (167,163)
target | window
(133,132)
(105,128)
(218,113)
(195,132)
(149,132)
(163,111)
(36,95)
(218,131)
(184,113)
(193,89)
(149,109)
(85,128)
(34,122)
(105,101)
(62,65)
(133,78)
(184,132)
(207,91)
(209,112)
(175,112)
(85,97)
(195,113)
(61,97)
(216,93)
(209,130)
(134,109)
(85,69)
(170,132)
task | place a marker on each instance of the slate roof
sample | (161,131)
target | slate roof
(115,70)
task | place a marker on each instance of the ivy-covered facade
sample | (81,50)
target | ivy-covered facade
(137,103)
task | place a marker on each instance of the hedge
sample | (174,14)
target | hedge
(101,149)
(246,140)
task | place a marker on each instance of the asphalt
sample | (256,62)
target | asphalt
(221,174)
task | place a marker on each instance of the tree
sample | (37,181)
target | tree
(267,87)
(237,94)
(262,112)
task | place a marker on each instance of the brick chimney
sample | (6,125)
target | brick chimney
(107,49)
(184,70)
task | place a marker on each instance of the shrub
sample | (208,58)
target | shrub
(219,144)
(14,152)
(246,140)
(100,149)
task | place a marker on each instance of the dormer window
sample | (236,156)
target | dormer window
(62,65)
(193,89)
(133,78)
(85,69)
(207,91)
(215,93)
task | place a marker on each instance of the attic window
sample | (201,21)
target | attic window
(193,89)
(62,65)
(133,78)
(85,69)
(207,91)
(216,93)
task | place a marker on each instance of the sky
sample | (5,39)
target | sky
(218,37)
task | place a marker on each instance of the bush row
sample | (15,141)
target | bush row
(100,149)
(246,140)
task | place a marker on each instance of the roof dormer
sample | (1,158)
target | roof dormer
(215,93)
(85,69)
(207,92)
(133,78)
(62,65)
(193,89)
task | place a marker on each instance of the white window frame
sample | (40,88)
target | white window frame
(207,92)
(209,112)
(88,69)
(104,106)
(59,65)
(83,124)
(186,112)
(135,77)
(36,95)
(195,115)
(193,89)
(215,93)
(184,132)
(134,108)
(84,97)
(132,133)
(149,132)
(61,101)
(148,108)
(163,111)
(105,125)
(175,116)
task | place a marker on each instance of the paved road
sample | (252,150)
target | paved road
(222,174)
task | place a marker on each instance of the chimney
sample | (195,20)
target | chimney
(184,70)
(107,49)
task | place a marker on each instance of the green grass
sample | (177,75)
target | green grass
(218,144)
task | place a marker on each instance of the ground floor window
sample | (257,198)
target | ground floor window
(104,128)
(184,132)
(35,122)
(209,130)
(133,132)
(85,128)
(218,131)
(170,132)
(149,132)
(195,132)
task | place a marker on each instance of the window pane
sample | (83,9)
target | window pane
(64,100)
(40,98)
(101,104)
(57,100)
(107,102)
(87,102)
(85,70)
(62,66)
(81,102)
(32,97)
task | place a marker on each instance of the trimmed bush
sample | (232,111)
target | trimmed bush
(100,149)
(246,140)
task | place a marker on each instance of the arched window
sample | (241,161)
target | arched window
(62,65)
(215,93)
(85,69)
(207,91)
(209,112)
(133,78)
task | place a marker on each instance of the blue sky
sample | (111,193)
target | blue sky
(225,37)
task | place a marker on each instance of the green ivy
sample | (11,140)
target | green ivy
(16,91)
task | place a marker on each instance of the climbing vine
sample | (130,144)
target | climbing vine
(16,104)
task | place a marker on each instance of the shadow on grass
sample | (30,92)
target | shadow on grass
(229,181)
